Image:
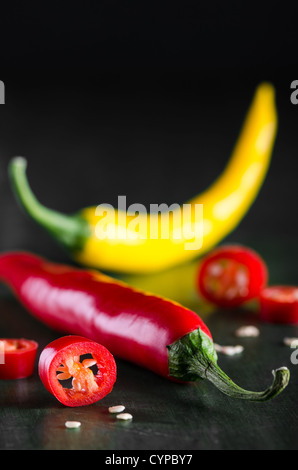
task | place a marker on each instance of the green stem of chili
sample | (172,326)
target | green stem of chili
(70,230)
(193,357)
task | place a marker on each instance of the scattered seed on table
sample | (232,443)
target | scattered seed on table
(124,416)
(72,424)
(292,342)
(116,409)
(229,350)
(248,331)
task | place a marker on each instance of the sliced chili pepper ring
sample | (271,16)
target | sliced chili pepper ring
(68,376)
(231,275)
(17,357)
(279,304)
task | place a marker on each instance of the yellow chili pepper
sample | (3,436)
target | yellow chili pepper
(138,243)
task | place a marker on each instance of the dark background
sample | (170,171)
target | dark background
(141,99)
(146,100)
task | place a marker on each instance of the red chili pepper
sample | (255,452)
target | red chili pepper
(17,358)
(279,304)
(71,361)
(150,331)
(231,275)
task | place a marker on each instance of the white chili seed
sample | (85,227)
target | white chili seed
(292,342)
(72,424)
(76,385)
(89,363)
(124,416)
(248,331)
(229,350)
(116,409)
(63,376)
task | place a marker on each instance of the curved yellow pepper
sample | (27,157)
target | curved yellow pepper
(224,205)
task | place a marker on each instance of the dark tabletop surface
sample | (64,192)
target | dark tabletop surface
(166,415)
(102,109)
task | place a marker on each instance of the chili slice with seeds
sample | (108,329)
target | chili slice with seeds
(17,357)
(73,379)
(231,275)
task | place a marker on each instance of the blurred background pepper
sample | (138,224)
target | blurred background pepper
(224,205)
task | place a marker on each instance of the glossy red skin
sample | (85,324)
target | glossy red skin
(243,255)
(19,363)
(131,324)
(68,346)
(277,310)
